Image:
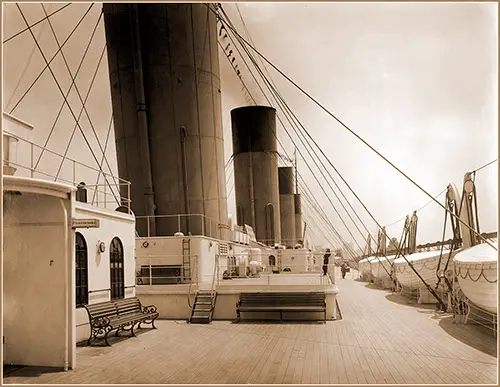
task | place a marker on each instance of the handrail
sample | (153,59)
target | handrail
(64,157)
(212,289)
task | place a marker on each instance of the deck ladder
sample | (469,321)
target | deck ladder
(186,260)
(204,303)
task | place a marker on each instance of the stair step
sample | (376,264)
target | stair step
(204,303)
(197,320)
(201,312)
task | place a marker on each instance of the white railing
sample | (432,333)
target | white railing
(187,224)
(299,275)
(107,195)
(154,270)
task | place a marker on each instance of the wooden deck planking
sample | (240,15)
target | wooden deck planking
(285,362)
(377,341)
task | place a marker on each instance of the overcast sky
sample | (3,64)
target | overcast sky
(418,81)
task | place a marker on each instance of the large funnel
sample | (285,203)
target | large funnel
(256,171)
(287,206)
(165,88)
(298,218)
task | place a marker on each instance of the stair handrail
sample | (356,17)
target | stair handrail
(191,282)
(212,289)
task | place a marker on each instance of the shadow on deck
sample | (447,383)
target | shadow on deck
(404,300)
(473,335)
(30,372)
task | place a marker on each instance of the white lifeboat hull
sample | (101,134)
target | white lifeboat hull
(476,271)
(425,263)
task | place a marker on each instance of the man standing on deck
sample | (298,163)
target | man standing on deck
(326,261)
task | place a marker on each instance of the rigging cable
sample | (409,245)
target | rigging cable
(286,160)
(47,64)
(59,86)
(73,80)
(383,230)
(484,166)
(251,57)
(421,208)
(77,125)
(28,62)
(34,24)
(69,90)
(282,124)
(102,160)
(271,86)
(347,128)
(239,76)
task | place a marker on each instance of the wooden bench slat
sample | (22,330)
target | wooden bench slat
(116,315)
(281,302)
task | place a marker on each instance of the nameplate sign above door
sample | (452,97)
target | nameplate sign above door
(85,223)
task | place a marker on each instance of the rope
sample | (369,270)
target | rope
(34,24)
(47,64)
(343,124)
(481,274)
(421,208)
(484,166)
(243,83)
(69,90)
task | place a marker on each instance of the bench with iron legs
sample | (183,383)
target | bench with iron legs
(281,302)
(118,315)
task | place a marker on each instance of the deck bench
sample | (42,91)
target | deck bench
(281,302)
(118,315)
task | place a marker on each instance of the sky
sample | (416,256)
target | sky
(417,81)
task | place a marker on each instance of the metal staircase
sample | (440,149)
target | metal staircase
(203,307)
(204,302)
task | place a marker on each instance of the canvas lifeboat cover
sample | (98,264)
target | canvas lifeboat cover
(482,253)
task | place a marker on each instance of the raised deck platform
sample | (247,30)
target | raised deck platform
(380,339)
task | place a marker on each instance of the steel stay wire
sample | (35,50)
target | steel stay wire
(77,120)
(47,64)
(346,127)
(73,79)
(34,24)
(271,89)
(59,86)
(69,90)
(288,110)
(236,47)
(262,75)
(409,263)
(26,66)
(281,122)
(102,160)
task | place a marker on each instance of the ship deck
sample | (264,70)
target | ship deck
(380,339)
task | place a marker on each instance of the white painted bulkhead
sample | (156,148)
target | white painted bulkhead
(38,272)
(113,224)
(174,300)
